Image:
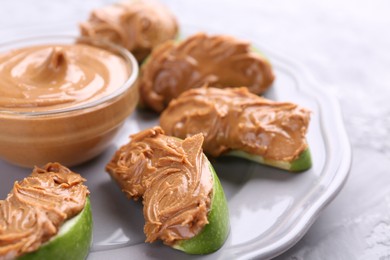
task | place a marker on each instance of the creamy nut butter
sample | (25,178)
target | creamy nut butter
(41,78)
(36,208)
(219,60)
(139,26)
(63,102)
(235,119)
(173,178)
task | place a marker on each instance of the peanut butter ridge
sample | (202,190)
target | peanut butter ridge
(138,26)
(47,77)
(220,61)
(235,119)
(172,177)
(37,206)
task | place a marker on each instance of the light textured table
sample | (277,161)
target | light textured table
(346,46)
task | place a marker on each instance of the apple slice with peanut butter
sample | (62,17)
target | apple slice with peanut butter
(47,215)
(184,203)
(219,60)
(237,122)
(138,26)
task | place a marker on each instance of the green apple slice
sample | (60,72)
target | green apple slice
(214,234)
(302,163)
(72,241)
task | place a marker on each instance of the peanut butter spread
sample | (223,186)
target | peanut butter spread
(139,26)
(49,77)
(221,61)
(37,206)
(173,178)
(235,119)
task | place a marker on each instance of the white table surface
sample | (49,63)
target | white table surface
(346,46)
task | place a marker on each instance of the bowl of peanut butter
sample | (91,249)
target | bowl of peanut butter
(63,98)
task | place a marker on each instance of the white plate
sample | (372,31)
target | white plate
(270,209)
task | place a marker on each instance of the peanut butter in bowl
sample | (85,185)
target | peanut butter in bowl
(62,98)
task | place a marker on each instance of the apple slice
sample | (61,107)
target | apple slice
(183,201)
(220,61)
(72,241)
(47,215)
(236,122)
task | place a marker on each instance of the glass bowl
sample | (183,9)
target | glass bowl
(69,135)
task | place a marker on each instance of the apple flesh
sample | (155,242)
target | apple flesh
(302,163)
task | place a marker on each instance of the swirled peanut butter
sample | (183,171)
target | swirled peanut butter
(173,178)
(139,26)
(46,77)
(221,61)
(37,206)
(235,119)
